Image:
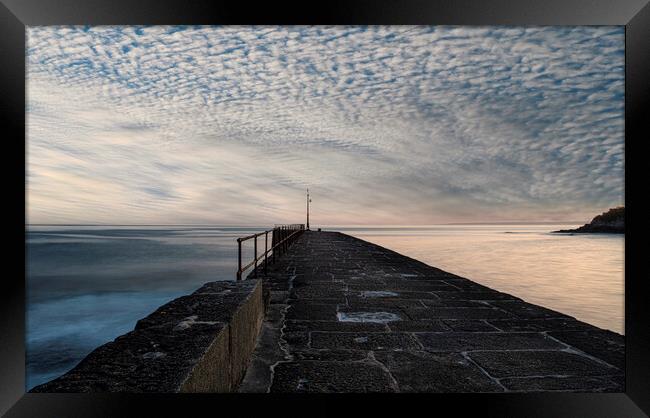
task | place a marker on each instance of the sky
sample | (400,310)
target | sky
(386,125)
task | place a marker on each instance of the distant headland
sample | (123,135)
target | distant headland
(610,222)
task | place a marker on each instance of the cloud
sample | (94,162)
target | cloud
(384,124)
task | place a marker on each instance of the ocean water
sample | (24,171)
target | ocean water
(87,285)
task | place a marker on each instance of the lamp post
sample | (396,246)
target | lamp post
(308,200)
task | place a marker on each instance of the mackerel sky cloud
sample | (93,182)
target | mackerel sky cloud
(385,125)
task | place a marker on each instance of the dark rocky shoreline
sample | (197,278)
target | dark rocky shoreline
(610,222)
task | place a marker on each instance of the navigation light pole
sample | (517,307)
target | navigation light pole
(308,200)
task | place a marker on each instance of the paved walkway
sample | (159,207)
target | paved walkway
(349,316)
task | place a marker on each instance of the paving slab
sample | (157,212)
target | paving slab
(525,310)
(329,355)
(466,285)
(470,295)
(383,302)
(606,345)
(398,312)
(472,341)
(562,384)
(293,326)
(456,313)
(418,326)
(304,310)
(364,340)
(453,303)
(539,324)
(331,377)
(540,363)
(361,318)
(470,325)
(419,371)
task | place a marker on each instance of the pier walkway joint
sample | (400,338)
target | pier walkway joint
(346,315)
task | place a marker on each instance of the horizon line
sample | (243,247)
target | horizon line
(322,225)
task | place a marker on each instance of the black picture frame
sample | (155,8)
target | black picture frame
(15,15)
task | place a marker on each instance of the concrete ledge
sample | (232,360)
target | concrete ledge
(196,343)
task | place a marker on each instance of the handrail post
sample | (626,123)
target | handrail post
(255,246)
(239,251)
(266,249)
(283,237)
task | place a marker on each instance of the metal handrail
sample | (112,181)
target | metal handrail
(282,237)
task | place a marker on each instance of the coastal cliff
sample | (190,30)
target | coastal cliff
(611,222)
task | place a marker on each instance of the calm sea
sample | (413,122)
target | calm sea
(87,285)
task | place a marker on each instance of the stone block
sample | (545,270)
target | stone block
(418,314)
(363,340)
(244,327)
(562,384)
(418,326)
(306,326)
(470,295)
(537,324)
(331,377)
(470,341)
(539,363)
(606,345)
(303,310)
(427,372)
(526,310)
(469,325)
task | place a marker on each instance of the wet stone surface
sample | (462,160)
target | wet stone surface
(356,317)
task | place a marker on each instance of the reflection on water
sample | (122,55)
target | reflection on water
(580,275)
(88,285)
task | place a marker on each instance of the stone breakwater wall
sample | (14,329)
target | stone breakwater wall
(200,342)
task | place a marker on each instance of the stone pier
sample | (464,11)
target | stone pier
(345,315)
(201,342)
